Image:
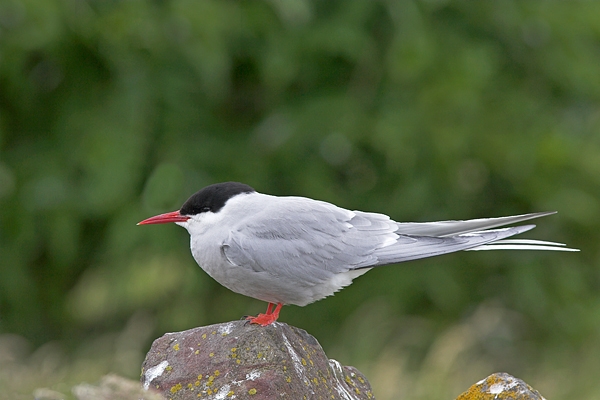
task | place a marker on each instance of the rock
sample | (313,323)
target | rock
(240,360)
(501,386)
(113,387)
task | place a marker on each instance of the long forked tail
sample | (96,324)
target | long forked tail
(478,226)
(523,244)
(427,239)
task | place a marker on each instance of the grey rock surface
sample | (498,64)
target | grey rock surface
(240,360)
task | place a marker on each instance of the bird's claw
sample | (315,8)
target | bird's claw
(262,319)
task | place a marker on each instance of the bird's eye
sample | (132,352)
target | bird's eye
(205,209)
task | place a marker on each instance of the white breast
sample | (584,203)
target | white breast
(208,231)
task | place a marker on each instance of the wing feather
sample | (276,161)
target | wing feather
(446,228)
(429,246)
(311,241)
(318,242)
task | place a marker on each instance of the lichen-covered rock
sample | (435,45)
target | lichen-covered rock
(240,360)
(500,386)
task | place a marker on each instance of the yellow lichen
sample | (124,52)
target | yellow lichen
(197,352)
(238,361)
(217,373)
(200,377)
(476,392)
(230,393)
(176,388)
(204,336)
(315,381)
(233,349)
(252,392)
(190,386)
(197,383)
(211,354)
(288,379)
(303,361)
(259,355)
(176,347)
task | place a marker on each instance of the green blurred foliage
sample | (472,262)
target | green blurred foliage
(113,111)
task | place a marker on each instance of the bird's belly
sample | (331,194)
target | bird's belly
(266,286)
(240,279)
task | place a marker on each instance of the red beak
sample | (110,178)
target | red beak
(173,216)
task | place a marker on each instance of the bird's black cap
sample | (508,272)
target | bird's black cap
(213,198)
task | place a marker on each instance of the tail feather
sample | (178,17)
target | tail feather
(523,244)
(421,240)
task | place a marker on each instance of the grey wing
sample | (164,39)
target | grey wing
(311,241)
(308,241)
(447,228)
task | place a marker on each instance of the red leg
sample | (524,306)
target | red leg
(269,309)
(268,318)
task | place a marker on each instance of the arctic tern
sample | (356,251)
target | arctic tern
(296,250)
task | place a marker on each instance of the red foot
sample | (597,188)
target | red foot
(268,318)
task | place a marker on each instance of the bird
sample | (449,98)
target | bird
(296,250)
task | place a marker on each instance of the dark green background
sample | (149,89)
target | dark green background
(113,111)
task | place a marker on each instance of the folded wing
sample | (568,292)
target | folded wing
(311,241)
